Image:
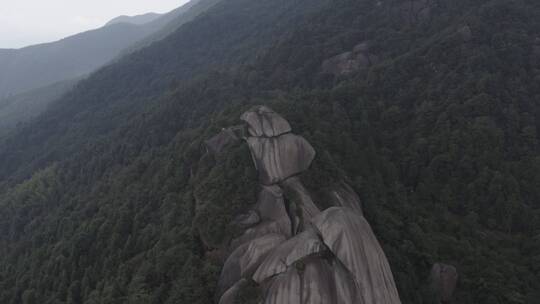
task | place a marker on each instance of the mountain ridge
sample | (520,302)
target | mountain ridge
(137,19)
(111,192)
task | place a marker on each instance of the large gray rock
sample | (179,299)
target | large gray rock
(444,279)
(313,280)
(245,259)
(229,296)
(294,250)
(271,211)
(316,281)
(279,158)
(284,288)
(264,122)
(231,272)
(318,286)
(271,204)
(281,227)
(346,290)
(342,195)
(305,207)
(256,252)
(350,238)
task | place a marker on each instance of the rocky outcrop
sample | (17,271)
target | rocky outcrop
(342,195)
(444,280)
(345,232)
(295,252)
(350,61)
(263,122)
(278,158)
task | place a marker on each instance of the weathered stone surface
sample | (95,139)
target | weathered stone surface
(245,258)
(293,250)
(263,122)
(346,290)
(342,195)
(444,279)
(281,157)
(271,210)
(229,296)
(231,272)
(222,139)
(284,288)
(282,227)
(318,286)
(314,281)
(256,251)
(297,193)
(307,244)
(270,204)
(348,235)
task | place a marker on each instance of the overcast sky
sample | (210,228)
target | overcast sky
(27,22)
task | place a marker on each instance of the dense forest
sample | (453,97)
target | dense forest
(110,196)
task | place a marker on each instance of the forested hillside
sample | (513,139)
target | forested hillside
(429,109)
(32,77)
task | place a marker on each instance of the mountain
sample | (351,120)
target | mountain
(32,75)
(137,20)
(44,64)
(23,107)
(427,109)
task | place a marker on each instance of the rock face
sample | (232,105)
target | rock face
(346,232)
(263,122)
(343,195)
(444,279)
(351,61)
(277,158)
(295,252)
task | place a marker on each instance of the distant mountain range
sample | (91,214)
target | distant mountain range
(137,20)
(29,76)
(44,64)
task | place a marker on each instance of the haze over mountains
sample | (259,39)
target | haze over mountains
(138,20)
(45,68)
(428,109)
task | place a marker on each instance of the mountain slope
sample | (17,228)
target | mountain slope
(109,196)
(23,107)
(39,68)
(41,65)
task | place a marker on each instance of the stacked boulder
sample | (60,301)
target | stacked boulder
(295,252)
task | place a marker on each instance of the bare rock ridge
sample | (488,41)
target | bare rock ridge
(293,251)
